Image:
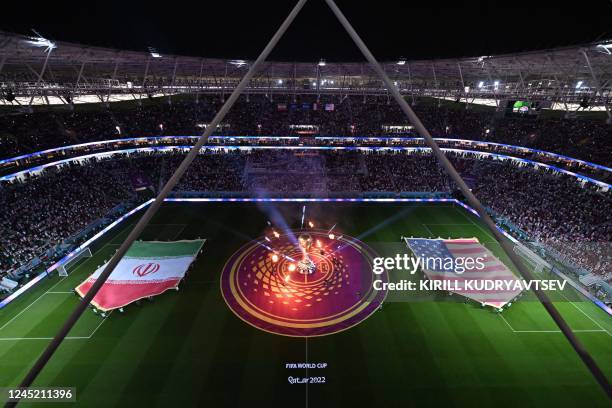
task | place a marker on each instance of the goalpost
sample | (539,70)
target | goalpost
(70,264)
(534,260)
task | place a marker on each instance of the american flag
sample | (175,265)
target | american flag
(493,270)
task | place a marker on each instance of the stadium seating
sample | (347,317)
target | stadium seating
(24,133)
(42,211)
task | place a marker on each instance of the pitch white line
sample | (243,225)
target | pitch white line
(551,331)
(30,305)
(100,324)
(57,283)
(584,313)
(306,344)
(429,223)
(427,228)
(178,234)
(559,331)
(510,326)
(41,338)
(71,292)
(488,234)
(68,337)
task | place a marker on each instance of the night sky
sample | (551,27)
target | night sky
(414,29)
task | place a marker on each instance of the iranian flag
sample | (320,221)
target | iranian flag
(148,268)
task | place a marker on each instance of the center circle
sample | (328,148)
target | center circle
(263,286)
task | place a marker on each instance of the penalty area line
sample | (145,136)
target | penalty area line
(67,337)
(507,323)
(50,290)
(551,331)
(559,331)
(586,314)
(41,338)
(31,304)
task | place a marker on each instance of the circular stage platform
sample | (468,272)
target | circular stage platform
(270,293)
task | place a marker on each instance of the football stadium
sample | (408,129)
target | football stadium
(182,229)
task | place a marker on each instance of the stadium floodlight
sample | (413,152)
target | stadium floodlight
(280,82)
(322,62)
(154,53)
(606,47)
(401,61)
(40,41)
(480,84)
(579,84)
(238,63)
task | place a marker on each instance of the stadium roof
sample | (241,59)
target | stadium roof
(40,70)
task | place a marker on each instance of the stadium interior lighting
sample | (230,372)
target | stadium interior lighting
(607,47)
(466,89)
(322,62)
(579,84)
(401,61)
(238,63)
(154,53)
(41,41)
(480,84)
(280,82)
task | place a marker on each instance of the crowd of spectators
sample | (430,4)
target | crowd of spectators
(554,210)
(43,211)
(587,139)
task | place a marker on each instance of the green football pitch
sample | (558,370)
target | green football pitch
(187,348)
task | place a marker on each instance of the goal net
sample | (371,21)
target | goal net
(531,258)
(73,262)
